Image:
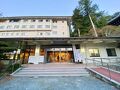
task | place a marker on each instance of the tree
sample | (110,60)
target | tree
(6,47)
(76,20)
(89,16)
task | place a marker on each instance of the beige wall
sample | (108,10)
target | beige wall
(56,29)
(102,50)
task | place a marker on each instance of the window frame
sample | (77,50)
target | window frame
(94,54)
(112,55)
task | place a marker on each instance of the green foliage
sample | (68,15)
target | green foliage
(2,66)
(81,19)
(13,68)
(6,47)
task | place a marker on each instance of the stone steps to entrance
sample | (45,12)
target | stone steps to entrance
(52,70)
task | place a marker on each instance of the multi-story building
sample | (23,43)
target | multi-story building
(34,27)
(47,39)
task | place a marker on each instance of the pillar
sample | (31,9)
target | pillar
(37,50)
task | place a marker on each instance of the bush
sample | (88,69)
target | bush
(16,66)
(2,66)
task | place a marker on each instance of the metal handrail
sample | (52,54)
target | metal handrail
(114,66)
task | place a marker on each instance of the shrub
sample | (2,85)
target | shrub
(2,66)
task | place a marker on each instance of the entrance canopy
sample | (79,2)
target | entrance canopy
(72,40)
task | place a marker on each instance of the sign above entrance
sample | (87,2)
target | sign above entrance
(59,49)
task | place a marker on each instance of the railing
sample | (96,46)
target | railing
(110,63)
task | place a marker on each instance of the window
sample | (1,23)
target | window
(7,34)
(16,26)
(54,27)
(111,52)
(47,26)
(22,34)
(54,32)
(24,26)
(62,21)
(9,27)
(47,20)
(54,21)
(39,26)
(41,33)
(17,34)
(1,27)
(32,26)
(14,20)
(12,34)
(94,53)
(33,20)
(25,20)
(40,20)
(3,34)
(48,33)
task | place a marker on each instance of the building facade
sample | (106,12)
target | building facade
(46,39)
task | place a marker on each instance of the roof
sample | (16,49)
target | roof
(38,17)
(115,20)
(65,38)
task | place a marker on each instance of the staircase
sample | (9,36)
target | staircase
(52,70)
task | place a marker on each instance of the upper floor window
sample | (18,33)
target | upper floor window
(54,21)
(54,27)
(32,26)
(24,26)
(62,21)
(9,27)
(111,52)
(33,20)
(23,34)
(47,26)
(25,20)
(48,33)
(47,20)
(54,32)
(94,53)
(40,20)
(14,20)
(39,26)
(16,26)
(1,27)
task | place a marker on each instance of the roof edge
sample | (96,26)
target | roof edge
(36,17)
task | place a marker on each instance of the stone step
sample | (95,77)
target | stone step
(35,71)
(50,74)
(53,70)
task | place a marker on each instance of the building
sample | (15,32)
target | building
(46,39)
(115,21)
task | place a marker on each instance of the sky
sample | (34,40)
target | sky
(51,7)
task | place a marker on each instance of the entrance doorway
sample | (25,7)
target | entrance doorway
(28,51)
(59,56)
